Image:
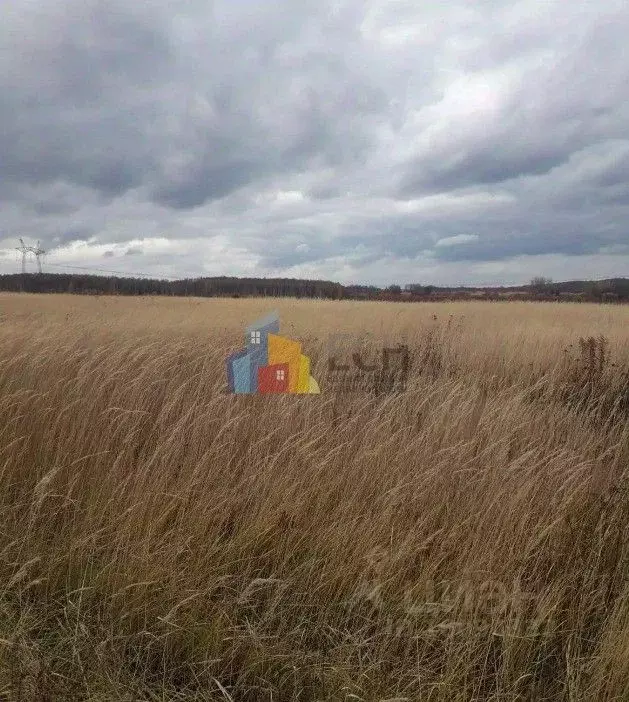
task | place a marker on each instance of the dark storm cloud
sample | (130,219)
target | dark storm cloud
(109,99)
(245,141)
(282,257)
(488,167)
(202,182)
(297,136)
(616,174)
(490,248)
(72,81)
(68,235)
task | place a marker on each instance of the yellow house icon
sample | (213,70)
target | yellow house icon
(283,350)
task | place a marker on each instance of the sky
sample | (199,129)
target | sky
(360,141)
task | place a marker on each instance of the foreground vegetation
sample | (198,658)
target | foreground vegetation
(463,539)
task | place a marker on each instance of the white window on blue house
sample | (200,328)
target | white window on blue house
(279,375)
(255,337)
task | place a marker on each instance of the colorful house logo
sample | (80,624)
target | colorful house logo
(270,363)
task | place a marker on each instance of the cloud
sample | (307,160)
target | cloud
(458,239)
(320,137)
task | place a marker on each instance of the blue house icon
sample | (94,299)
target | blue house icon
(242,366)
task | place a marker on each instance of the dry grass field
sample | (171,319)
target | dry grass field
(463,539)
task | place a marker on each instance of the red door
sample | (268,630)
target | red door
(273,378)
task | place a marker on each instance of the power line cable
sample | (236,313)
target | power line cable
(106,270)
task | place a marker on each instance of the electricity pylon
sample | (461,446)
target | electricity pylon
(24,249)
(39,252)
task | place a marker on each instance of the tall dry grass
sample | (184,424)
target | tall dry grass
(465,539)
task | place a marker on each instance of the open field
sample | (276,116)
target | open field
(465,539)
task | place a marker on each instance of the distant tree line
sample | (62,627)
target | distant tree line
(612,290)
(196,287)
(615,289)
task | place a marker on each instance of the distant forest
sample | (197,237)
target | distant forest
(611,290)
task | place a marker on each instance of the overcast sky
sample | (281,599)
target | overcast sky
(371,141)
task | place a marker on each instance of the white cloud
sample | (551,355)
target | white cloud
(458,239)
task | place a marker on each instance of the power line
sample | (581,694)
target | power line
(105,270)
(37,251)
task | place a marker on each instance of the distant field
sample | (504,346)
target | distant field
(464,539)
